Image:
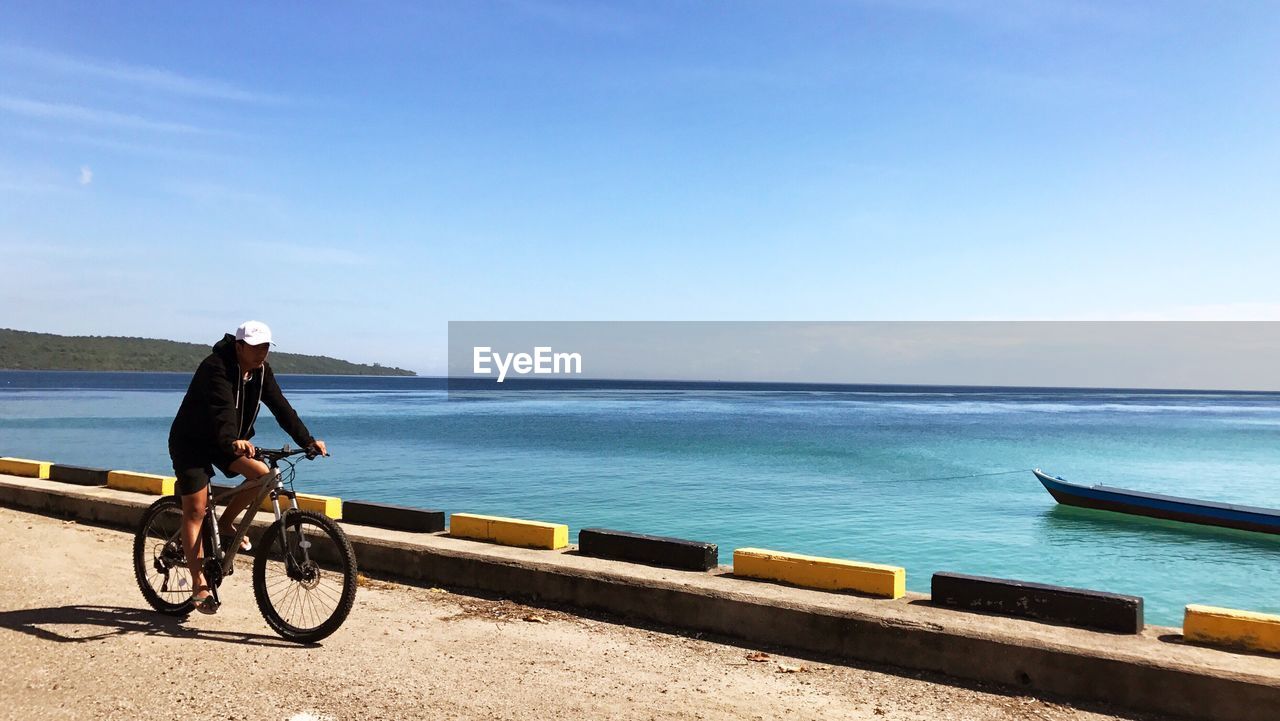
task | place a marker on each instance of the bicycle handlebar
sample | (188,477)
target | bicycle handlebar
(276,454)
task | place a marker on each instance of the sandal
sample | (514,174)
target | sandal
(245,544)
(205,604)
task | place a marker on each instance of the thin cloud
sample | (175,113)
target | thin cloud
(208,193)
(1208,312)
(1018,14)
(21,186)
(86,175)
(589,17)
(156,79)
(1042,87)
(80,114)
(28,182)
(310,253)
(179,149)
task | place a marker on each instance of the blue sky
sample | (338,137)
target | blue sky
(359,176)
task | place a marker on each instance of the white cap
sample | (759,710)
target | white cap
(253,332)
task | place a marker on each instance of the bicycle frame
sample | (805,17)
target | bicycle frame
(270,487)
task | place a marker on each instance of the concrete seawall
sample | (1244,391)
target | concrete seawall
(1151,671)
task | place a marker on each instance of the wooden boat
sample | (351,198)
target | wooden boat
(1187,510)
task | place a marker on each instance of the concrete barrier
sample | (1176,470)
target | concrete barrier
(509,531)
(651,550)
(1231,628)
(828,574)
(78,475)
(141,482)
(24,467)
(328,505)
(400,518)
(1056,604)
(1139,672)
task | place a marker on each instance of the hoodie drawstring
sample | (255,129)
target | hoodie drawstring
(240,428)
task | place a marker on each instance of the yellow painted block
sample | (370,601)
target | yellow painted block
(24,467)
(509,531)
(141,482)
(828,574)
(1229,627)
(328,505)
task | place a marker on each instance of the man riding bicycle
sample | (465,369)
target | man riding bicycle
(213,428)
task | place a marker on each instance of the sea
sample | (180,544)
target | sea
(926,477)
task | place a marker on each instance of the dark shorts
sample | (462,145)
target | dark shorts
(194,470)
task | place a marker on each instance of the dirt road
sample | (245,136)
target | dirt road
(79,642)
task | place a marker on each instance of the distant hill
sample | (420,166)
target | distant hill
(22,350)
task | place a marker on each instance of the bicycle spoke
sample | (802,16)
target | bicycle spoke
(295,600)
(322,589)
(160,566)
(308,613)
(319,596)
(306,583)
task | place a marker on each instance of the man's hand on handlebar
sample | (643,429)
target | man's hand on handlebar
(243,448)
(317,448)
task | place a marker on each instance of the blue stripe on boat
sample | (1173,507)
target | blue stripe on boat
(1161,506)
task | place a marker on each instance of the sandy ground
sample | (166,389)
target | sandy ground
(79,642)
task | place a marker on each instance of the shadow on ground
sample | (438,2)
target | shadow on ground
(78,624)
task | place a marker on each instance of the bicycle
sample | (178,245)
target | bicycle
(304,570)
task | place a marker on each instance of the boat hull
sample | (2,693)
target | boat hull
(1186,510)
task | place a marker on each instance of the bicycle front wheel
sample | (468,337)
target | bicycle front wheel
(159,563)
(304,576)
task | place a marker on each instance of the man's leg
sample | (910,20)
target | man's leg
(252,470)
(193,509)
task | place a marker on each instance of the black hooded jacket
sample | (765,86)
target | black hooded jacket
(220,408)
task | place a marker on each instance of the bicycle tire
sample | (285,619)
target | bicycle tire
(273,555)
(154,559)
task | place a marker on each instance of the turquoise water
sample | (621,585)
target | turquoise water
(840,473)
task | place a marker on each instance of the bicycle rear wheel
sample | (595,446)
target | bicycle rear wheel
(304,576)
(159,563)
